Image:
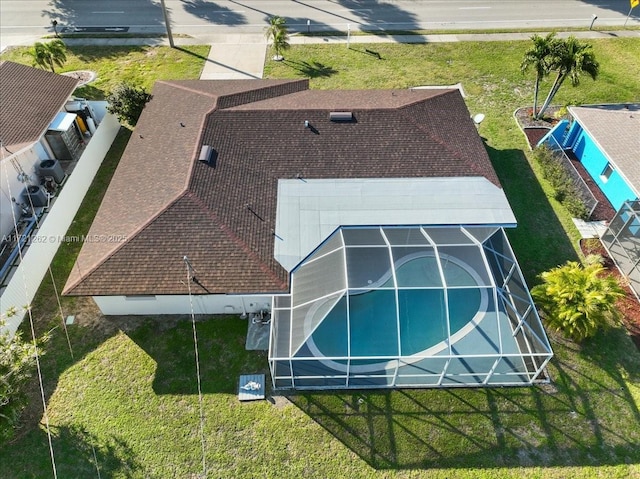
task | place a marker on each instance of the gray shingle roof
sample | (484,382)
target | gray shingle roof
(168,205)
(29,101)
(616,129)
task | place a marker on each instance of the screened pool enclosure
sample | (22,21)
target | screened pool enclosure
(407,307)
(622,240)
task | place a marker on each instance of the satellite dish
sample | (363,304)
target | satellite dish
(477,119)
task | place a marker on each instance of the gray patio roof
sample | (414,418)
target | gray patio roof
(616,130)
(309,210)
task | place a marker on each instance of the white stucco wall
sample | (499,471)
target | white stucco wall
(25,281)
(12,187)
(179,304)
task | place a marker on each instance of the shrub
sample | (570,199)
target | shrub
(578,300)
(17,363)
(564,189)
(127,102)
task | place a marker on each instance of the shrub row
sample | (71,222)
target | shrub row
(564,189)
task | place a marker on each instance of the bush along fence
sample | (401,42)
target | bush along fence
(568,186)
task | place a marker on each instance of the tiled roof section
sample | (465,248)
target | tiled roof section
(225,222)
(445,118)
(156,165)
(272,89)
(616,128)
(442,115)
(152,262)
(29,101)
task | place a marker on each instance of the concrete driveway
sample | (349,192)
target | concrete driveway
(233,57)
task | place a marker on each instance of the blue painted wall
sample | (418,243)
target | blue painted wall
(594,161)
(557,133)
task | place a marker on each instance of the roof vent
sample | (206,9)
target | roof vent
(208,155)
(341,116)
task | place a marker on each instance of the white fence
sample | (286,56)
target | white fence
(44,244)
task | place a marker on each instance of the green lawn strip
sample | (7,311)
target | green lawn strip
(139,65)
(132,396)
(133,399)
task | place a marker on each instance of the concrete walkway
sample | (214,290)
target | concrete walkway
(235,57)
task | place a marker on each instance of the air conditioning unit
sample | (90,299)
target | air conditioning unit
(51,168)
(35,195)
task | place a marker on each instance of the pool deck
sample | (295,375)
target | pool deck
(257,334)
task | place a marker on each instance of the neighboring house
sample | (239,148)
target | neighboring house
(43,132)
(30,101)
(368,225)
(606,141)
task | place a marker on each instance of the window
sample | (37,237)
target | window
(606,173)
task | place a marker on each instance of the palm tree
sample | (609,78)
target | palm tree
(46,55)
(578,300)
(278,34)
(570,59)
(538,58)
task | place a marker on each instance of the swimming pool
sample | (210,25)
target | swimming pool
(375,326)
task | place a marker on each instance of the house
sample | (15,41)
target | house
(31,101)
(371,216)
(44,132)
(606,141)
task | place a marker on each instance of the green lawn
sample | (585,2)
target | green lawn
(139,65)
(127,404)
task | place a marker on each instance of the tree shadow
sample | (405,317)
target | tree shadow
(549,426)
(213,12)
(367,51)
(619,7)
(193,54)
(95,53)
(299,24)
(311,69)
(267,15)
(77,453)
(221,350)
(67,14)
(380,16)
(90,92)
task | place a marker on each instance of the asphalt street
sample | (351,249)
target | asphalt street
(23,21)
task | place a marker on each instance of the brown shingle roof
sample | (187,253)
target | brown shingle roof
(29,100)
(223,217)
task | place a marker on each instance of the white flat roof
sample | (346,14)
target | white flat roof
(309,210)
(62,121)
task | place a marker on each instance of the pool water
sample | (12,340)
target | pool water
(374,327)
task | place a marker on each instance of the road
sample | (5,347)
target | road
(32,18)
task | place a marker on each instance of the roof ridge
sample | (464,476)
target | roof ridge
(262,92)
(182,86)
(447,146)
(241,244)
(68,288)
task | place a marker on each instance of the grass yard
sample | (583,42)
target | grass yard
(139,65)
(127,405)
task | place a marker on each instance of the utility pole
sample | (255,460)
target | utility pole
(167,23)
